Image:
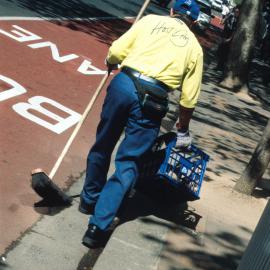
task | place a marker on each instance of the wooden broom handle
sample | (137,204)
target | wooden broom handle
(79,124)
(88,108)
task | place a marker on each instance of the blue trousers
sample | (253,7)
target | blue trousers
(121,111)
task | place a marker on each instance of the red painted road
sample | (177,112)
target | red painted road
(39,69)
(25,144)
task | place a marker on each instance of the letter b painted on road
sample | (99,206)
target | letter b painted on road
(34,103)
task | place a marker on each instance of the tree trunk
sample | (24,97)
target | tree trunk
(256,166)
(241,49)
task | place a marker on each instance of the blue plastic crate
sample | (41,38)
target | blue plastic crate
(183,170)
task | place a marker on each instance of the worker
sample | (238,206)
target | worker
(158,54)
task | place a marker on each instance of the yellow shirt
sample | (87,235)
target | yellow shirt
(165,49)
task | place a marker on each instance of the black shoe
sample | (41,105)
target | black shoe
(94,237)
(85,208)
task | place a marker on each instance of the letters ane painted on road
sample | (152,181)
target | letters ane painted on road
(22,35)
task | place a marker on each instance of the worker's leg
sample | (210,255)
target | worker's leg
(113,119)
(140,134)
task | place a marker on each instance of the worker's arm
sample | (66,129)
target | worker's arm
(185,115)
(191,87)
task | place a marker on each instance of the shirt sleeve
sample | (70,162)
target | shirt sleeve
(191,85)
(121,47)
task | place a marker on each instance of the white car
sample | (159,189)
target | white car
(217,5)
(205,14)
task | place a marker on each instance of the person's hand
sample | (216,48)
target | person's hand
(111,66)
(183,139)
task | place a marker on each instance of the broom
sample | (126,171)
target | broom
(40,181)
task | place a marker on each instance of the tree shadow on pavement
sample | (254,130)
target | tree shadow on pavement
(227,129)
(208,249)
(226,126)
(205,251)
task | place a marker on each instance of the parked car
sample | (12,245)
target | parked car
(205,14)
(217,5)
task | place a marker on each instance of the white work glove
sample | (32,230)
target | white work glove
(183,139)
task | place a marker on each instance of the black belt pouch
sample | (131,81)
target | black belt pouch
(153,99)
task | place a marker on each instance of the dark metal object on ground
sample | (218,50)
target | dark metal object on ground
(48,190)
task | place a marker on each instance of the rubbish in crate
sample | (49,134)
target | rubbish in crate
(180,172)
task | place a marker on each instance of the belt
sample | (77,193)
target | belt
(134,73)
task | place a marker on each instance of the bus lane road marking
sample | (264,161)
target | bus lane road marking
(35,41)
